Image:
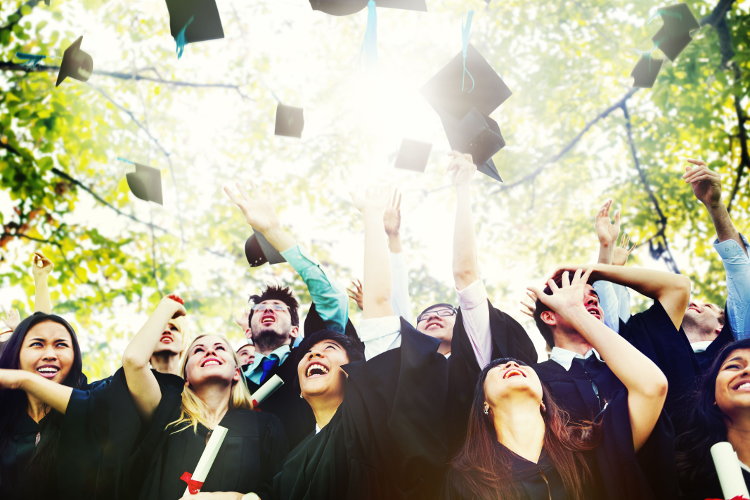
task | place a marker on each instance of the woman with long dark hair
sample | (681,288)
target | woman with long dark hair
(42,353)
(520,445)
(720,411)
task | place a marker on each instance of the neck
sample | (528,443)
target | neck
(695,333)
(324,408)
(265,348)
(519,426)
(445,347)
(216,396)
(572,342)
(36,409)
(166,362)
(738,433)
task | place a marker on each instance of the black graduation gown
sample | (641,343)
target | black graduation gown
(17,456)
(385,439)
(247,460)
(708,486)
(295,414)
(615,472)
(706,358)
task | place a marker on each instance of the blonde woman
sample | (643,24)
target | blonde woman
(180,413)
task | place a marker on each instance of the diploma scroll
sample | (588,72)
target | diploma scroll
(265,390)
(728,469)
(197,478)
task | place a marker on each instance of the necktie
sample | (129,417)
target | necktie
(267,365)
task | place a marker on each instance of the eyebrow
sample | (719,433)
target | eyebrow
(736,358)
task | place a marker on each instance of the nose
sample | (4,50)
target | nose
(49,353)
(511,364)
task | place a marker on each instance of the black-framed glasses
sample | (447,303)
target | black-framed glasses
(273,307)
(444,312)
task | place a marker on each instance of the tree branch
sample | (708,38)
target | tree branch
(12,66)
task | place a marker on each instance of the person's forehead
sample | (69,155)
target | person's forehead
(48,329)
(737,355)
(273,301)
(209,340)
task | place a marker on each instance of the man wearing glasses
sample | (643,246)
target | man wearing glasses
(274,321)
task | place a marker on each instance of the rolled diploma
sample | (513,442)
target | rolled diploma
(208,456)
(728,469)
(267,389)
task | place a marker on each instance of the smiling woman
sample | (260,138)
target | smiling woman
(44,346)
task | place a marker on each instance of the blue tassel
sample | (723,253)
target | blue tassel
(370,43)
(126,161)
(465,47)
(30,59)
(180,39)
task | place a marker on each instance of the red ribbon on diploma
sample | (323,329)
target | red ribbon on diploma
(738,497)
(193,486)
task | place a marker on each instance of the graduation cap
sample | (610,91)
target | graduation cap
(455,90)
(347,7)
(674,35)
(476,134)
(145,183)
(195,20)
(645,72)
(413,155)
(75,63)
(258,251)
(289,121)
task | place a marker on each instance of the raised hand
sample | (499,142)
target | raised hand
(392,215)
(566,297)
(622,250)
(705,182)
(461,168)
(372,199)
(11,319)
(528,306)
(606,230)
(355,293)
(255,205)
(42,266)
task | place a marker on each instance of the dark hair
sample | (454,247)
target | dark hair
(482,467)
(543,327)
(706,422)
(14,403)
(277,292)
(355,349)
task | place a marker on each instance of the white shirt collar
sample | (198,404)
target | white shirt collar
(564,357)
(700,346)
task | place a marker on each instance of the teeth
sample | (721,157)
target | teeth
(211,362)
(316,368)
(744,386)
(48,369)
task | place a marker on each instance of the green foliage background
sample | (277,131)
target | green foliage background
(63,192)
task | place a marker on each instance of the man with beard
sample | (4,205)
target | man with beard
(274,320)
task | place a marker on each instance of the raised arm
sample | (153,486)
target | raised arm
(465,266)
(376,292)
(41,268)
(330,303)
(671,290)
(607,232)
(400,299)
(55,395)
(141,381)
(646,384)
(706,186)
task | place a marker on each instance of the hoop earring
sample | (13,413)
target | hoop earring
(544,407)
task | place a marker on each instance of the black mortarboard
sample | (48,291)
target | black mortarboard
(456,92)
(347,7)
(645,72)
(289,121)
(258,251)
(75,63)
(413,155)
(145,183)
(475,134)
(674,35)
(489,169)
(205,24)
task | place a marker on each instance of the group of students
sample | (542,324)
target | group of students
(456,405)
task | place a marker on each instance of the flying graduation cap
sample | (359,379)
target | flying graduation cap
(289,121)
(347,7)
(258,251)
(464,94)
(194,21)
(75,63)
(645,72)
(413,155)
(145,183)
(674,35)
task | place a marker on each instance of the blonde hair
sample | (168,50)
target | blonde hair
(193,410)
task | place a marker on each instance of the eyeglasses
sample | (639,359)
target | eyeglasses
(436,312)
(273,307)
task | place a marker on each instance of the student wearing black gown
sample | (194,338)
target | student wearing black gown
(719,412)
(42,358)
(181,413)
(519,443)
